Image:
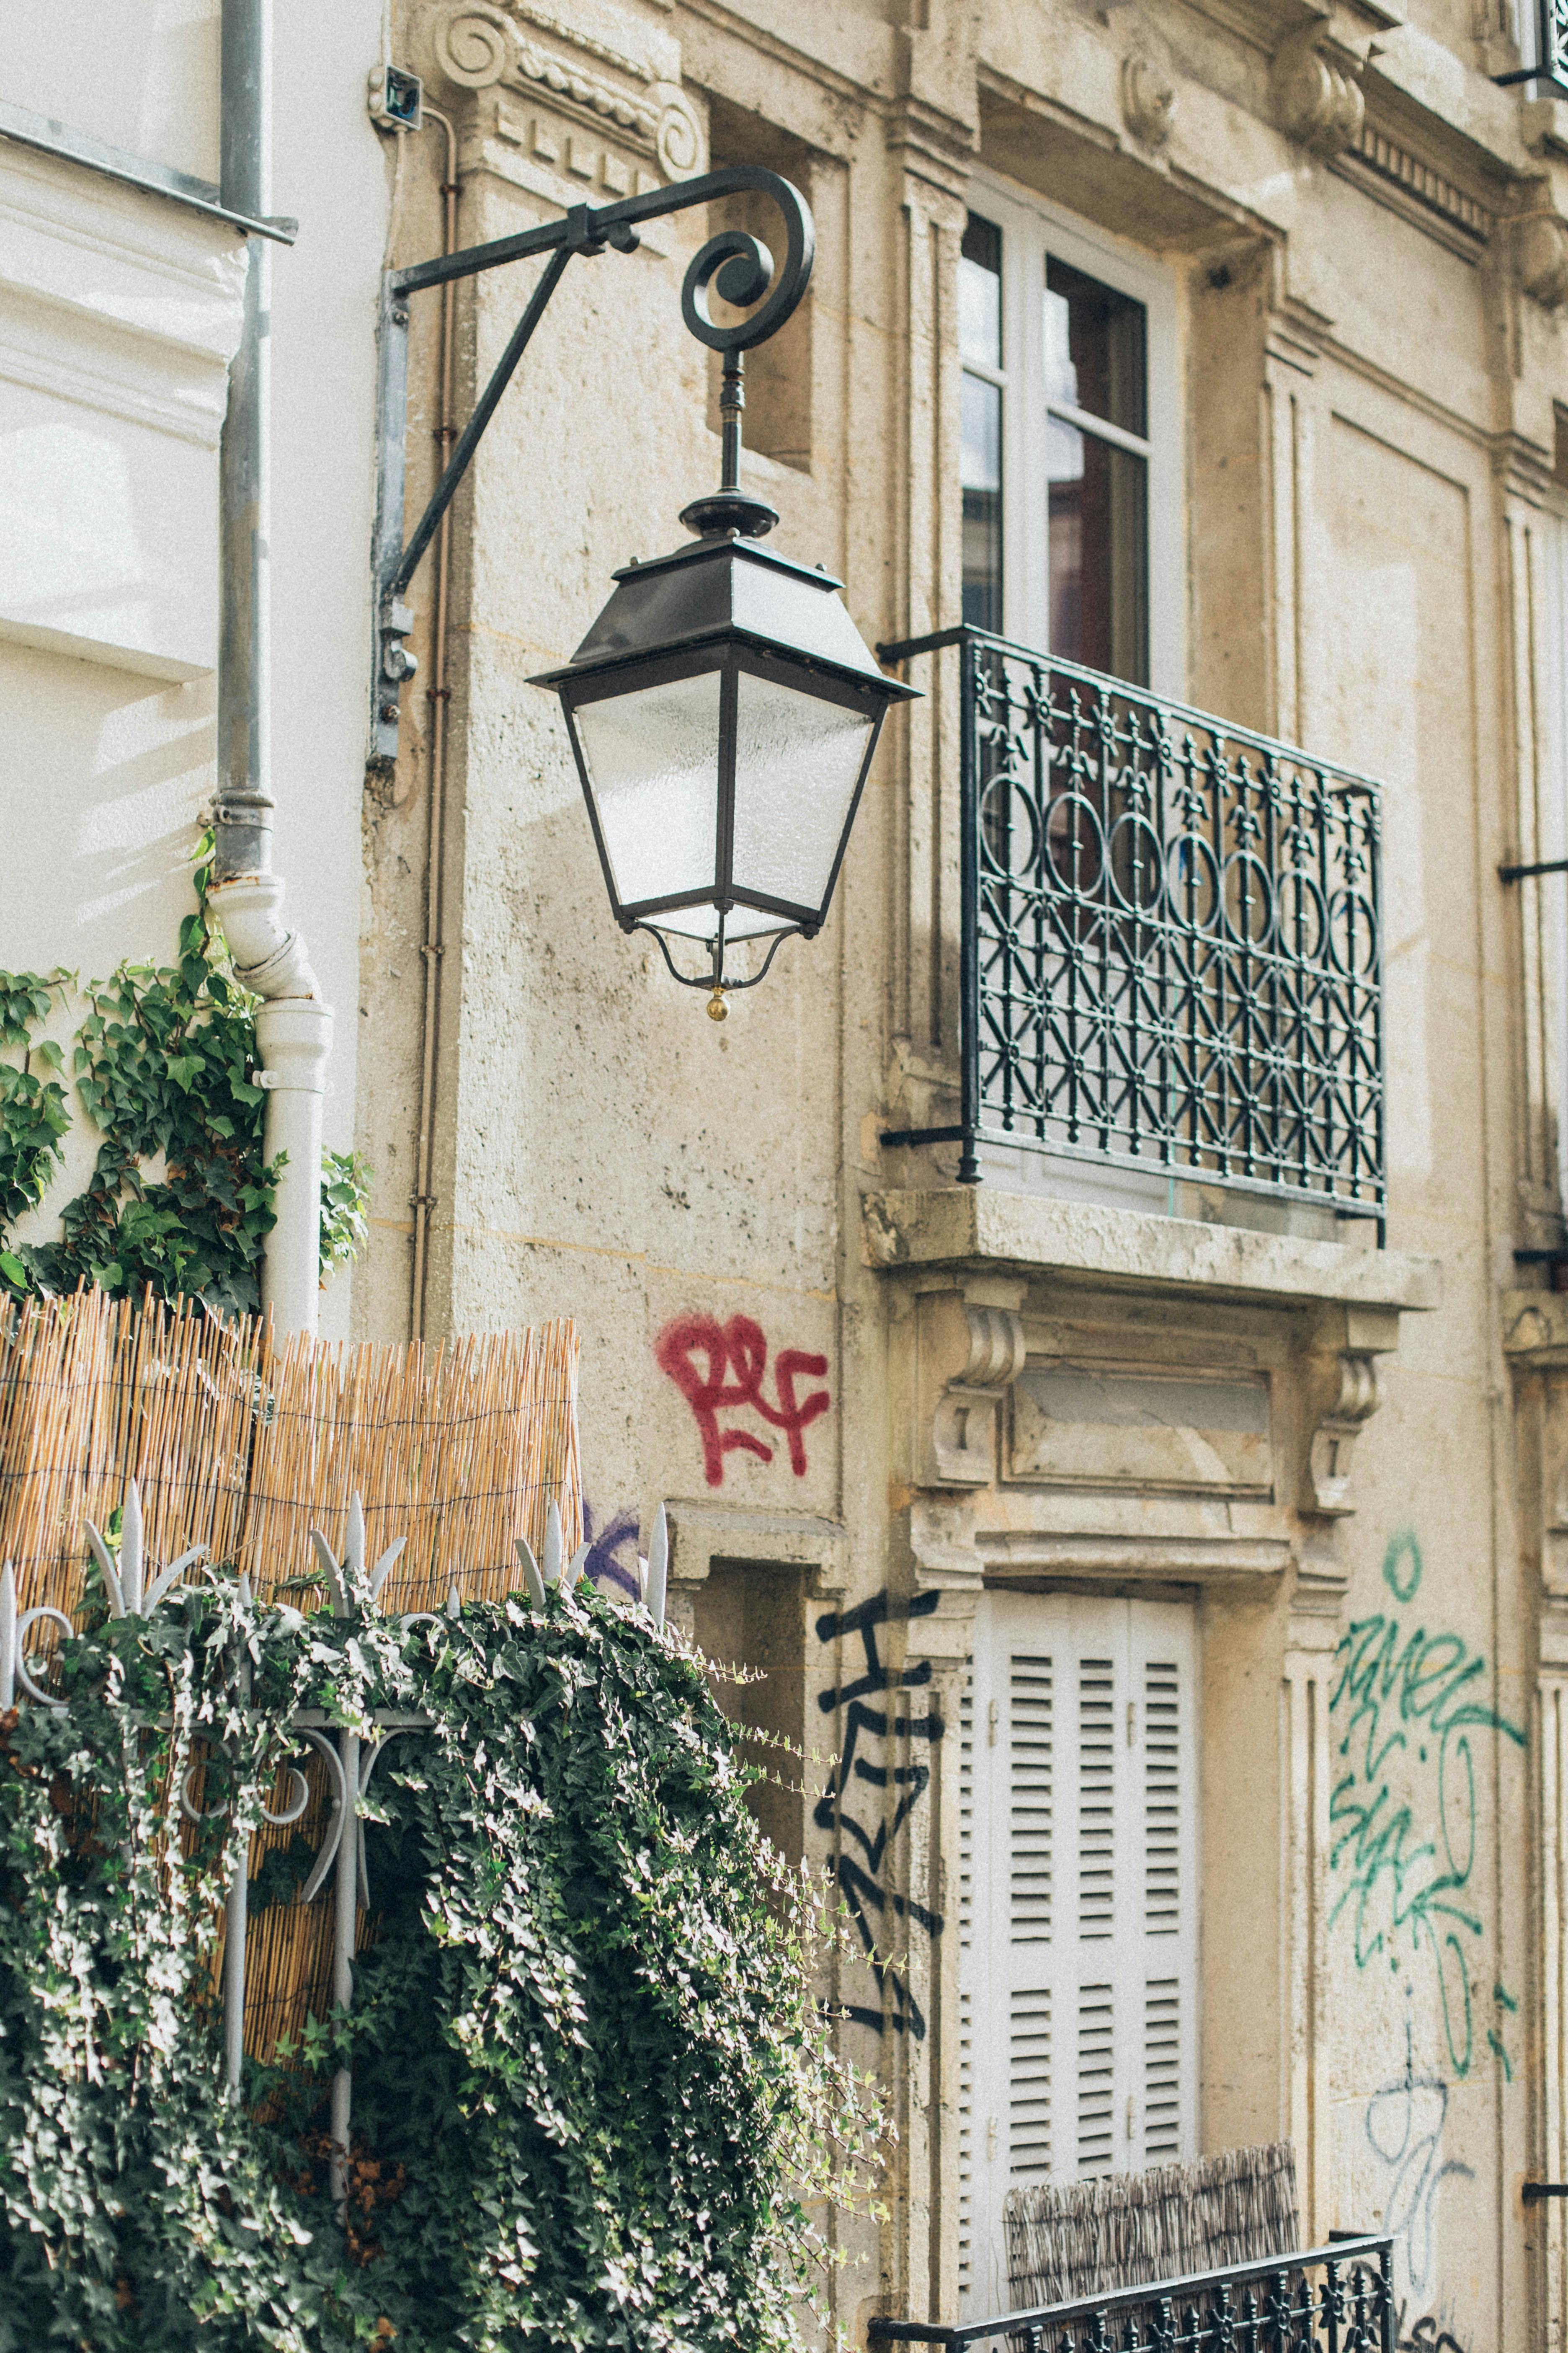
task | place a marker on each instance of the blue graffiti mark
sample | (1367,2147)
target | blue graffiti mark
(1405,2124)
(1395,1688)
(613,1552)
(860,1882)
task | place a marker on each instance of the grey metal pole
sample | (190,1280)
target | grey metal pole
(244,805)
(345,1894)
(234,1979)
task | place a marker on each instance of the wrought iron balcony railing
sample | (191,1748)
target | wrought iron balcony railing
(1334,2299)
(1172,938)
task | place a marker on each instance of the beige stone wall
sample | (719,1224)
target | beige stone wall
(1362,237)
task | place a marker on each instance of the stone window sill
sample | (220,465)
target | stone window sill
(979,1226)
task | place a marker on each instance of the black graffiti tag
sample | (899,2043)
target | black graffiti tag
(859,1876)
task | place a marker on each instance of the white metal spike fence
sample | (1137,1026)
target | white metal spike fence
(134,1587)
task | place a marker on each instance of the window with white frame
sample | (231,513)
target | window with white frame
(1077,1905)
(1070,442)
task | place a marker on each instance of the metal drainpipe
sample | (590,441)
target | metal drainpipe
(439,695)
(293,1028)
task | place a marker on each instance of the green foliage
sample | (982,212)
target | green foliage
(33,1114)
(345,1209)
(592,2094)
(166,1067)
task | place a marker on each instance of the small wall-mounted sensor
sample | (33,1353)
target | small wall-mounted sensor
(396,98)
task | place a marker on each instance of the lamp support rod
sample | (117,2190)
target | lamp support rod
(739,265)
(1523,873)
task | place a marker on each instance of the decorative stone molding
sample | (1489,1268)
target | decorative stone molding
(1333,1447)
(970,1349)
(1315,86)
(963,1427)
(1148,101)
(119,316)
(1540,257)
(1341,1395)
(479,46)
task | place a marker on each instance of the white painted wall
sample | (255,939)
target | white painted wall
(144,77)
(119,312)
(332,168)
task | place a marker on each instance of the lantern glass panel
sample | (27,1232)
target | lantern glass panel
(797,762)
(652,758)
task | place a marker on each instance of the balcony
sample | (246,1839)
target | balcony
(1170,954)
(1333,2299)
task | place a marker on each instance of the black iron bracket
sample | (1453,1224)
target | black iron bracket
(1522,873)
(1551,47)
(1535,2191)
(735,264)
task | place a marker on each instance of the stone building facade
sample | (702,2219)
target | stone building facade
(1160,1574)
(1163,1575)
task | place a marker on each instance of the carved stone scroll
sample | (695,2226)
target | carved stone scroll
(1316,90)
(1148,101)
(636,97)
(1331,1451)
(1540,257)
(963,1420)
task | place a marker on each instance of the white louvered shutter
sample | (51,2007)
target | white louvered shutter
(1078,1903)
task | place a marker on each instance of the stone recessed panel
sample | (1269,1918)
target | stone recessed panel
(1126,1428)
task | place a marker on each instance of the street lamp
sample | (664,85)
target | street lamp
(724,709)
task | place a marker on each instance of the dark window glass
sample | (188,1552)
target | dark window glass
(980,293)
(980,343)
(1095,349)
(1099,492)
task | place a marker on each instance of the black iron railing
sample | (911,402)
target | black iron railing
(1172,937)
(1334,2299)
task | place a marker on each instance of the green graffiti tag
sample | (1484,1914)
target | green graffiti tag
(1406,1705)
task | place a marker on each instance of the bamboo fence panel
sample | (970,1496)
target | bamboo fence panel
(95,1392)
(460,1447)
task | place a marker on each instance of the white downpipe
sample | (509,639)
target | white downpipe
(294,1039)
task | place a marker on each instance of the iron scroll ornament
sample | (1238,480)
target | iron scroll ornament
(737,267)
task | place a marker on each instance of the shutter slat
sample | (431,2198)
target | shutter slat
(1029,2084)
(1096,2079)
(1162,2071)
(1161,1798)
(1031,1762)
(1095,1798)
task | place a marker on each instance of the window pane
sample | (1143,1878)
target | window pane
(980,293)
(1098,558)
(797,762)
(652,758)
(1095,348)
(980,434)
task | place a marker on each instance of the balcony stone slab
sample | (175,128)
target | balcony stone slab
(985,1227)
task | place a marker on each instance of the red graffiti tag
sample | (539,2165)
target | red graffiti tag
(740,1346)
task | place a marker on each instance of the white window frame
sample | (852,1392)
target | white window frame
(1031,229)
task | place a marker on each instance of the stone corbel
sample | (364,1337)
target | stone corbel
(1540,255)
(1315,85)
(1148,101)
(1343,1396)
(962,1390)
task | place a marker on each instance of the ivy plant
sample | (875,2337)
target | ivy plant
(33,1113)
(165,1064)
(595,2098)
